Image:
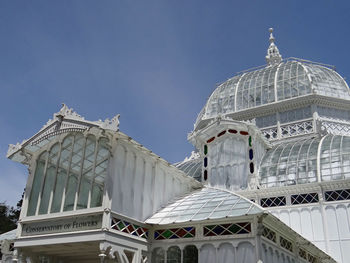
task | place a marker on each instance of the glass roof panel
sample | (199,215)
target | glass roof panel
(214,203)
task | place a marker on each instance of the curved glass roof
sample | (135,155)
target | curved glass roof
(288,79)
(192,168)
(306,161)
(206,203)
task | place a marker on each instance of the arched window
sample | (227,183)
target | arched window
(226,253)
(49,179)
(70,175)
(74,171)
(246,253)
(62,173)
(190,254)
(158,255)
(173,255)
(36,186)
(99,173)
(87,172)
(208,253)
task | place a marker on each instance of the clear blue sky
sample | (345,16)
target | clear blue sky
(154,62)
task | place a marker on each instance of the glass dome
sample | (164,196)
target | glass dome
(278,82)
(306,161)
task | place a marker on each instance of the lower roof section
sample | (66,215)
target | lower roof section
(206,203)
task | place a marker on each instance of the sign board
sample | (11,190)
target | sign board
(73,224)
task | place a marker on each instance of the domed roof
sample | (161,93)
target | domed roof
(192,168)
(306,161)
(280,80)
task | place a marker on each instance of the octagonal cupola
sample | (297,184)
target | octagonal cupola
(288,98)
(230,152)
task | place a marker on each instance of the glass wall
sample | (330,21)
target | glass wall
(296,115)
(266,121)
(333,113)
(70,175)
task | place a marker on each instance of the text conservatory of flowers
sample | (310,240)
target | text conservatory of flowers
(269,182)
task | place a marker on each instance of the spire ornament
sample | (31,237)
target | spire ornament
(273,55)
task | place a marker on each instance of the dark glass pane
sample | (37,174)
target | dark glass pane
(210,140)
(251,167)
(205,149)
(221,133)
(190,254)
(251,154)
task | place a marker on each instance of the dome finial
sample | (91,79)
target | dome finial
(272,39)
(273,54)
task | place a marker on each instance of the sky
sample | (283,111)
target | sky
(153,62)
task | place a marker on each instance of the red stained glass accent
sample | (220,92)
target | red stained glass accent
(174,233)
(193,231)
(232,131)
(181,232)
(210,234)
(211,139)
(221,133)
(244,133)
(130,228)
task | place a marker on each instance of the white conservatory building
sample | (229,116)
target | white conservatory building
(269,182)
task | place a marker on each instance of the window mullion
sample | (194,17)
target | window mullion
(341,157)
(68,172)
(330,157)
